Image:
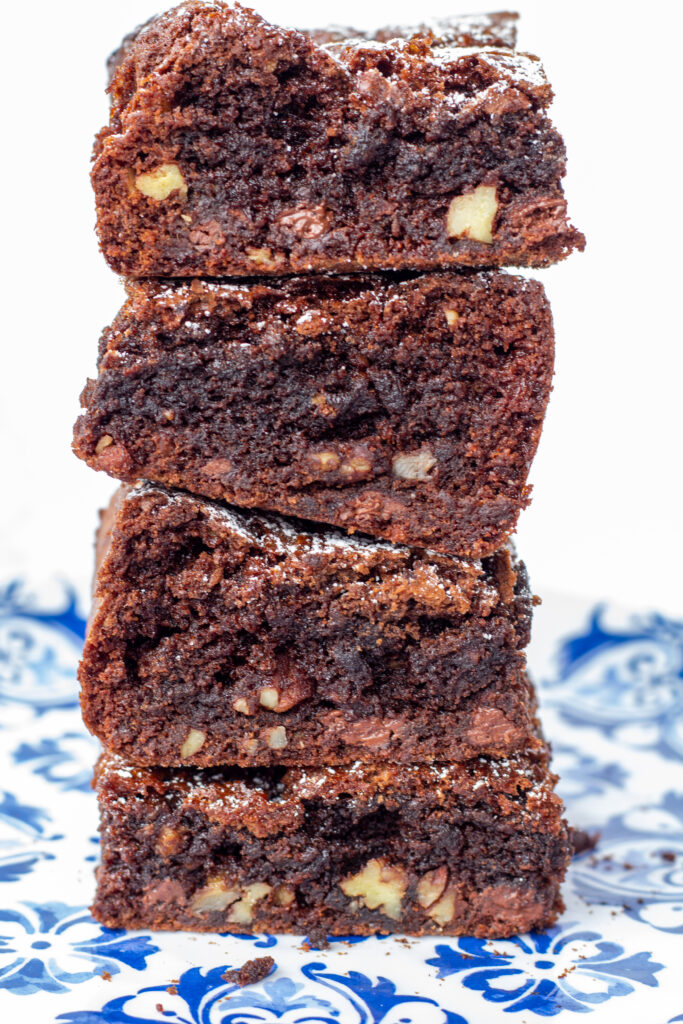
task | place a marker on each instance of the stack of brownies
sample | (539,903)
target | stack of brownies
(306,658)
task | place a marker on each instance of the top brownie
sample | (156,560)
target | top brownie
(237,148)
(495,29)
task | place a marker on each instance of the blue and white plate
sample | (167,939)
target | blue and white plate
(612,699)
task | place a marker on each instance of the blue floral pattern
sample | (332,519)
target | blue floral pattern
(21,818)
(39,649)
(51,947)
(612,694)
(628,683)
(583,775)
(640,865)
(14,865)
(204,997)
(67,760)
(543,973)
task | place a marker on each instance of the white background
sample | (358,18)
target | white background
(606,516)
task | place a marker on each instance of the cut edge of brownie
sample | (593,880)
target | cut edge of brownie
(329,132)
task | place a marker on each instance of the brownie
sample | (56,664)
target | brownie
(251,972)
(224,637)
(408,408)
(478,848)
(236,147)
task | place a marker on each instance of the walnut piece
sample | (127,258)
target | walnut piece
(325,461)
(159,183)
(241,705)
(264,258)
(277,737)
(435,898)
(284,896)
(242,912)
(103,443)
(194,741)
(472,215)
(355,468)
(443,911)
(413,465)
(431,886)
(269,697)
(170,841)
(284,698)
(379,886)
(215,895)
(452,317)
(323,405)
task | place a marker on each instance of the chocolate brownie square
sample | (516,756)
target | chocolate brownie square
(236,147)
(224,637)
(478,848)
(407,408)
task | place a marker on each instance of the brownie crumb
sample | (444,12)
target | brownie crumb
(251,972)
(172,990)
(583,841)
(668,855)
(105,976)
(317,939)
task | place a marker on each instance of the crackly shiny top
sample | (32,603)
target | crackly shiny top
(460,62)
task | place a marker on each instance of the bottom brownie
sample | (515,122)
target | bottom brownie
(478,848)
